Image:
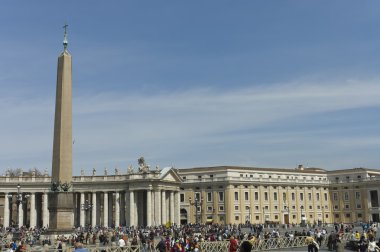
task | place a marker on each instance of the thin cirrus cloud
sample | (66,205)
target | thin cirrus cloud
(179,128)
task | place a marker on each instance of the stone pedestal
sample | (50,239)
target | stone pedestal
(61,212)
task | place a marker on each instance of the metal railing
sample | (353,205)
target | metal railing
(206,246)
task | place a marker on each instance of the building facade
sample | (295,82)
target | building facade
(137,198)
(224,195)
(229,194)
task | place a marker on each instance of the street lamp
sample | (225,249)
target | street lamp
(86,206)
(20,199)
(196,202)
(323,216)
(249,214)
(263,215)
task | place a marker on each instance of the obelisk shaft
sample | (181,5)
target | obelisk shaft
(62,144)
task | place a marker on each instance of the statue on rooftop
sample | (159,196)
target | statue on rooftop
(143,167)
(130,169)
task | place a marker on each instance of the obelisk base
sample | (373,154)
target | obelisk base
(61,212)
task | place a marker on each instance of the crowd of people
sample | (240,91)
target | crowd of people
(185,238)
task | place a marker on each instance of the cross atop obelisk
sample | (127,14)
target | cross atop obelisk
(65,42)
(62,144)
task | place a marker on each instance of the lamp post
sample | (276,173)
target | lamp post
(20,199)
(323,216)
(249,214)
(196,202)
(85,207)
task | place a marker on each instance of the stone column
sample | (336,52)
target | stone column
(93,210)
(149,208)
(6,210)
(177,204)
(171,206)
(131,208)
(82,215)
(157,208)
(45,211)
(122,208)
(20,214)
(33,211)
(117,209)
(163,207)
(105,209)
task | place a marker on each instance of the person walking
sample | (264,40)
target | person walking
(233,246)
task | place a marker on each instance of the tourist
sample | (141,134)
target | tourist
(59,247)
(372,247)
(339,245)
(161,246)
(121,243)
(79,247)
(362,244)
(233,245)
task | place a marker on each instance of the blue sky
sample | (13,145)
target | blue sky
(194,83)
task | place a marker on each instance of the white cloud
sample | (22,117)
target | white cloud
(177,127)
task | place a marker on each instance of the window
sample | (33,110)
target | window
(317,196)
(374,198)
(209,196)
(236,208)
(247,207)
(301,196)
(346,196)
(275,207)
(246,196)
(337,216)
(336,207)
(199,177)
(284,196)
(236,217)
(275,196)
(221,208)
(182,197)
(256,195)
(293,196)
(257,208)
(266,196)
(359,206)
(198,196)
(346,206)
(209,208)
(357,195)
(359,215)
(236,196)
(257,217)
(221,196)
(310,207)
(276,217)
(309,195)
(348,215)
(325,196)
(335,196)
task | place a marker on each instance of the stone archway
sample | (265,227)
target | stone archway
(183,216)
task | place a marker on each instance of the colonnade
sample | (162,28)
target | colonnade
(131,208)
(99,208)
(31,210)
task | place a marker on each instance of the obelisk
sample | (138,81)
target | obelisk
(61,199)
